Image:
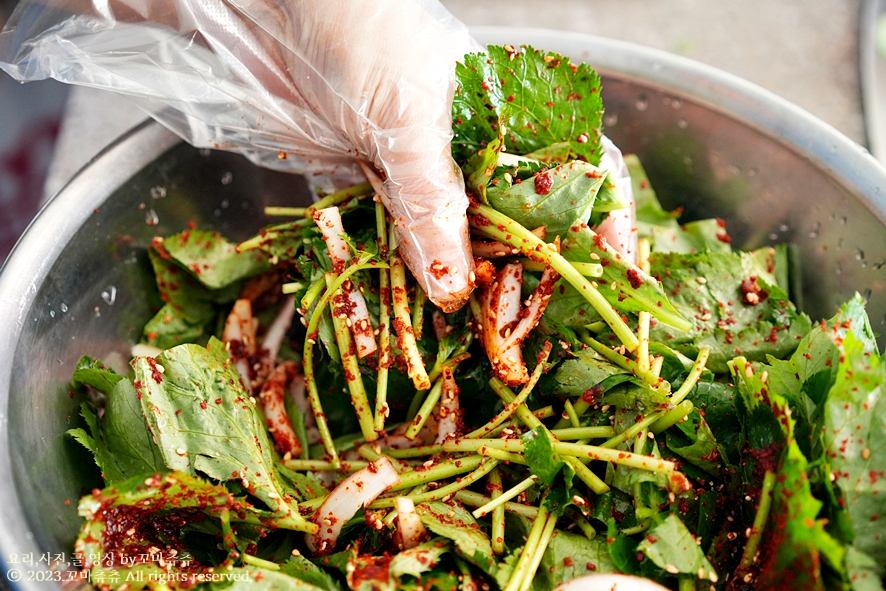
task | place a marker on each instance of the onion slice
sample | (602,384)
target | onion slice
(505,325)
(610,582)
(358,490)
(274,409)
(239,337)
(274,337)
(410,530)
(449,413)
(329,222)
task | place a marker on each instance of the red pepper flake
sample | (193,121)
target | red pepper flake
(752,293)
(543,183)
(203,405)
(634,278)
(591,566)
(218,400)
(438,269)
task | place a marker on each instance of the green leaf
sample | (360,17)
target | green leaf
(855,439)
(570,555)
(120,442)
(251,578)
(586,374)
(212,260)
(92,372)
(698,446)
(634,291)
(303,569)
(555,198)
(540,456)
(541,98)
(171,326)
(280,240)
(672,547)
(204,421)
(864,573)
(418,560)
(128,519)
(707,288)
(454,522)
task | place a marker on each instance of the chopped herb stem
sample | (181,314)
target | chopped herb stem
(580,407)
(339,197)
(505,496)
(512,406)
(418,312)
(587,475)
(501,455)
(439,471)
(425,410)
(521,570)
(686,583)
(293,287)
(570,433)
(632,366)
(403,325)
(295,212)
(313,293)
(504,229)
(571,414)
(614,456)
(750,549)
(353,376)
(260,562)
(324,466)
(672,417)
(586,528)
(384,323)
(694,374)
(475,499)
(643,316)
(308,360)
(498,514)
(443,491)
(538,553)
(507,396)
(633,430)
(458,356)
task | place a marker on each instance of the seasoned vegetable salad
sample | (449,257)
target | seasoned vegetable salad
(623,393)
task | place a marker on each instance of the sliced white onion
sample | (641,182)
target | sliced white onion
(449,414)
(329,222)
(492,249)
(274,409)
(298,392)
(410,530)
(278,328)
(358,490)
(239,336)
(620,226)
(610,582)
(141,350)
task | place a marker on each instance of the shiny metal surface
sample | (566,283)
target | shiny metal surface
(716,144)
(872,68)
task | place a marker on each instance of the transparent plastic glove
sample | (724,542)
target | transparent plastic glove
(309,86)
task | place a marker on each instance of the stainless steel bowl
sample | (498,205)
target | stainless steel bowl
(78,281)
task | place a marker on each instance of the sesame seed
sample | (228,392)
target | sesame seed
(672,569)
(701,280)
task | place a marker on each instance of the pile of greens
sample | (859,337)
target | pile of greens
(683,421)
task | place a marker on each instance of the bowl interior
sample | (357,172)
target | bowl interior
(92,290)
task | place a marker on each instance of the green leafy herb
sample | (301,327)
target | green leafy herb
(673,548)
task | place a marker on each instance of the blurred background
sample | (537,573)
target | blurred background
(805,51)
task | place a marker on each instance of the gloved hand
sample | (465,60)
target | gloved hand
(308,85)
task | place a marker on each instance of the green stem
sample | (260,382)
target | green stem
(686,387)
(632,366)
(507,396)
(516,402)
(308,360)
(323,466)
(521,570)
(475,499)
(260,562)
(686,583)
(586,269)
(583,433)
(571,414)
(295,212)
(587,475)
(403,325)
(633,430)
(502,456)
(437,472)
(293,287)
(418,312)
(505,496)
(498,514)
(443,491)
(506,230)
(425,410)
(353,377)
(580,407)
(537,555)
(750,549)
(643,317)
(384,323)
(313,293)
(672,417)
(338,197)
